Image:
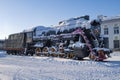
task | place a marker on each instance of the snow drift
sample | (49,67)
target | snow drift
(48,68)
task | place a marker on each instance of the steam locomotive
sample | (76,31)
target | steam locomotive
(64,41)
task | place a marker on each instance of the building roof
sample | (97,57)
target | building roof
(113,18)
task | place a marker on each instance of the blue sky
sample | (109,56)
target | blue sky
(17,15)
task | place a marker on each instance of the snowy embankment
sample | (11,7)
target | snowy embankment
(45,68)
(2,53)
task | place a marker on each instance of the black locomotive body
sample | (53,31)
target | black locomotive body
(76,43)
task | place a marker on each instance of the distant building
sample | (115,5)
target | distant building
(110,30)
(1,44)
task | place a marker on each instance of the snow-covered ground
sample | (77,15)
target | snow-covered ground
(45,68)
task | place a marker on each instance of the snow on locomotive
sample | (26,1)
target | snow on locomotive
(74,38)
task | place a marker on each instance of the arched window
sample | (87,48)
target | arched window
(106,30)
(116,29)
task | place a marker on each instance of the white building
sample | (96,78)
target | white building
(110,29)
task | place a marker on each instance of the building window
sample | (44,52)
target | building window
(105,42)
(116,43)
(116,30)
(105,31)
